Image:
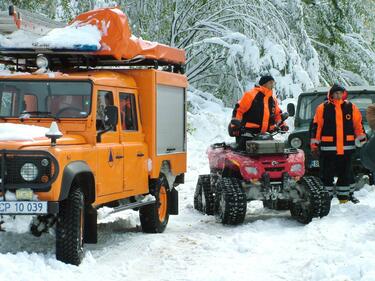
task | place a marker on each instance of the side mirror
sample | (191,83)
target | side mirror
(111,112)
(291,109)
(284,116)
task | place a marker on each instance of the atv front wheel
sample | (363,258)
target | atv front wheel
(204,199)
(69,228)
(154,217)
(313,202)
(230,201)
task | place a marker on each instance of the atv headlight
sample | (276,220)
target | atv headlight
(29,171)
(251,170)
(296,168)
(296,142)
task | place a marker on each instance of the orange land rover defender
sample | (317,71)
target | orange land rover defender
(117,138)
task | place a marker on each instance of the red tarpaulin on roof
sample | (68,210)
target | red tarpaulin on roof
(118,41)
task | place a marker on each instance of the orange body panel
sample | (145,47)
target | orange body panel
(124,161)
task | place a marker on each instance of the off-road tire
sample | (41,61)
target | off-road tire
(69,228)
(325,198)
(230,201)
(154,217)
(315,200)
(281,205)
(204,199)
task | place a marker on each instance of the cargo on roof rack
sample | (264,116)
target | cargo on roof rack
(118,47)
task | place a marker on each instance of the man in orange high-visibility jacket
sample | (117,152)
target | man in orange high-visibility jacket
(258,111)
(336,130)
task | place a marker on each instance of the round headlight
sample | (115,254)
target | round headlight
(296,142)
(29,171)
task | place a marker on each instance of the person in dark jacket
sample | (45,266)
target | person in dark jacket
(336,130)
(367,152)
(257,111)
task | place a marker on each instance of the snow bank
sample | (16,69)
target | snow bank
(13,132)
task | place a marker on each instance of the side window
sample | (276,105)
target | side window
(7,99)
(105,98)
(128,112)
(30,102)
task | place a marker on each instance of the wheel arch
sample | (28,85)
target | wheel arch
(79,173)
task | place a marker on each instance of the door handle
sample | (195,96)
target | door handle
(119,156)
(140,154)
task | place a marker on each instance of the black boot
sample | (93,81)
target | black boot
(353,199)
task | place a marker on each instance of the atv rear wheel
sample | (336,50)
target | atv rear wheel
(69,228)
(314,200)
(204,199)
(230,201)
(154,218)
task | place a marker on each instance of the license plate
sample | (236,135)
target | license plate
(314,164)
(23,207)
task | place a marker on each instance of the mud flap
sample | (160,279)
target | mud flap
(173,202)
(90,233)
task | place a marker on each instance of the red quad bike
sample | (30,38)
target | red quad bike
(265,171)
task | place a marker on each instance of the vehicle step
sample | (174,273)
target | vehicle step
(131,206)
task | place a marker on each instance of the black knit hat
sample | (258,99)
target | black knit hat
(264,79)
(336,88)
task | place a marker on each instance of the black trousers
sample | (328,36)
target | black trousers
(332,165)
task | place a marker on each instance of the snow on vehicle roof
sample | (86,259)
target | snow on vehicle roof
(70,37)
(348,88)
(13,132)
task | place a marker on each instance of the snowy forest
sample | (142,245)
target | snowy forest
(231,43)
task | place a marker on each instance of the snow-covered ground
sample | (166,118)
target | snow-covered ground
(268,246)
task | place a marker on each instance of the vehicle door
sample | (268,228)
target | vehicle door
(132,140)
(110,156)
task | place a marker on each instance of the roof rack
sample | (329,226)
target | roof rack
(69,59)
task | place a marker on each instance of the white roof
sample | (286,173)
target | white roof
(348,89)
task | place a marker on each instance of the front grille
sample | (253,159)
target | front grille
(274,169)
(39,169)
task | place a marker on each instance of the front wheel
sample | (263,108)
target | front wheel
(69,228)
(154,218)
(230,202)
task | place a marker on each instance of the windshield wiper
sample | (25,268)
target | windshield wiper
(29,114)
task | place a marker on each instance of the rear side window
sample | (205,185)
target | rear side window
(128,112)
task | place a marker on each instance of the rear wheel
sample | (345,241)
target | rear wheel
(314,200)
(69,228)
(230,201)
(204,199)
(154,218)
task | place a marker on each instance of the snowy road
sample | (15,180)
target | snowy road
(268,246)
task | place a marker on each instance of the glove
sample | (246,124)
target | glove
(233,131)
(284,127)
(360,140)
(315,150)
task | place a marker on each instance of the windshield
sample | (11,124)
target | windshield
(309,103)
(60,99)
